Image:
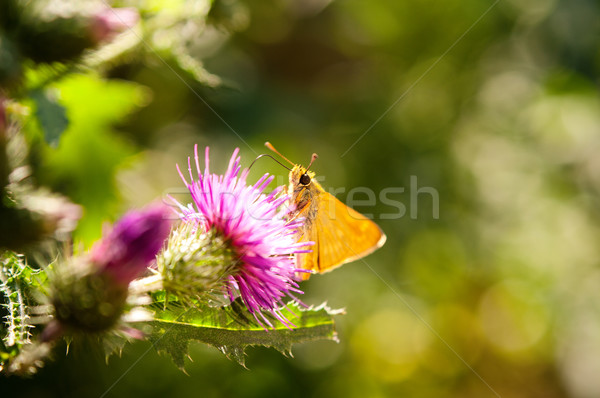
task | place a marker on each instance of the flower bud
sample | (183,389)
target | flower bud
(132,243)
(85,299)
(195,262)
(89,293)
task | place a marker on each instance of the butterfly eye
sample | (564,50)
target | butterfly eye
(304,179)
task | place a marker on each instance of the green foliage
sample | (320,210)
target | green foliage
(51,116)
(17,281)
(83,166)
(231,329)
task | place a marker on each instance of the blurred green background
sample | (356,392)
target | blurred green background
(495,105)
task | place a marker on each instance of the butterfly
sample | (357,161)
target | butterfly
(340,233)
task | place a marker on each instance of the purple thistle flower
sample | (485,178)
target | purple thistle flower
(132,243)
(255,228)
(89,293)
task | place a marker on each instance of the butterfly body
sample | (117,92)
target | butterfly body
(340,233)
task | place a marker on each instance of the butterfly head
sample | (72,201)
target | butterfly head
(301,176)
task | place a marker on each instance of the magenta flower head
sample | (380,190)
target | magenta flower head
(89,293)
(132,244)
(234,238)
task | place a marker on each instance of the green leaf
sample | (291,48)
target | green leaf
(16,278)
(232,328)
(51,115)
(84,165)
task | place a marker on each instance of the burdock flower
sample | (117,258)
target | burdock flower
(234,239)
(89,293)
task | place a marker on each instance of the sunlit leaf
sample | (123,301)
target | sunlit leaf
(231,329)
(83,166)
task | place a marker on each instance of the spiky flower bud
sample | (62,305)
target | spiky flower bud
(89,293)
(125,252)
(87,300)
(195,262)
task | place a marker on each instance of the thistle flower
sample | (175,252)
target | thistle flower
(132,244)
(90,292)
(234,239)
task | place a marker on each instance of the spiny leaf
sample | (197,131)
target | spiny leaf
(13,272)
(15,279)
(113,343)
(231,329)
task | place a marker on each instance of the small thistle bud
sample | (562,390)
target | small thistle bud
(133,242)
(54,214)
(195,262)
(89,293)
(87,300)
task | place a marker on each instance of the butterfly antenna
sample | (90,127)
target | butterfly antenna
(269,156)
(312,159)
(271,147)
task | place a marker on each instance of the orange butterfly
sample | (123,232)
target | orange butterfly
(341,234)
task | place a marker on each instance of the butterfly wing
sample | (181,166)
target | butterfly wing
(341,235)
